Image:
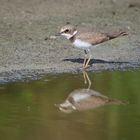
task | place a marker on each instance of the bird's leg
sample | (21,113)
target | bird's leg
(86,65)
(88,60)
(85,59)
(87,79)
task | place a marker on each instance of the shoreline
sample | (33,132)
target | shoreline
(24,75)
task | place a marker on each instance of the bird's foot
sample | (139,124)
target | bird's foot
(85,67)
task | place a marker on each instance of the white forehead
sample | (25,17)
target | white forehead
(63,29)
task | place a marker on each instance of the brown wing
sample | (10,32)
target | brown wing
(93,37)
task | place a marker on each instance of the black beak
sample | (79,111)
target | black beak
(57,34)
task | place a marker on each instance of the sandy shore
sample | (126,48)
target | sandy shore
(27,51)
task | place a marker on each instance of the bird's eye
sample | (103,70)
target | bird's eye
(67,30)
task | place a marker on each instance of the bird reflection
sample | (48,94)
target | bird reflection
(85,99)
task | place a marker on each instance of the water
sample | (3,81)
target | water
(30,110)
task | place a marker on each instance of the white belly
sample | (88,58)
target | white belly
(81,44)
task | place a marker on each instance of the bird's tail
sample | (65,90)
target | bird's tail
(117,102)
(116,34)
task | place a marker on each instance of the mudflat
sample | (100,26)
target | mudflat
(28,47)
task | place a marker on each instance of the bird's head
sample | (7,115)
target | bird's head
(68,31)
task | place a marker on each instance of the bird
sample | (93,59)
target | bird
(87,39)
(86,98)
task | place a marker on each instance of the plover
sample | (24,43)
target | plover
(87,39)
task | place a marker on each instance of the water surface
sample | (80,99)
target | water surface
(28,111)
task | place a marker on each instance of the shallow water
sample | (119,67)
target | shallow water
(28,110)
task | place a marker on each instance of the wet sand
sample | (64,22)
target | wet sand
(27,51)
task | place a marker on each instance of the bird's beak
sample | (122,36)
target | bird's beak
(57,34)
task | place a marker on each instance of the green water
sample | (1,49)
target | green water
(28,111)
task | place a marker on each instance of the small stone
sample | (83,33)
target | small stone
(52,37)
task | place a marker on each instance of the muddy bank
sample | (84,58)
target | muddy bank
(25,26)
